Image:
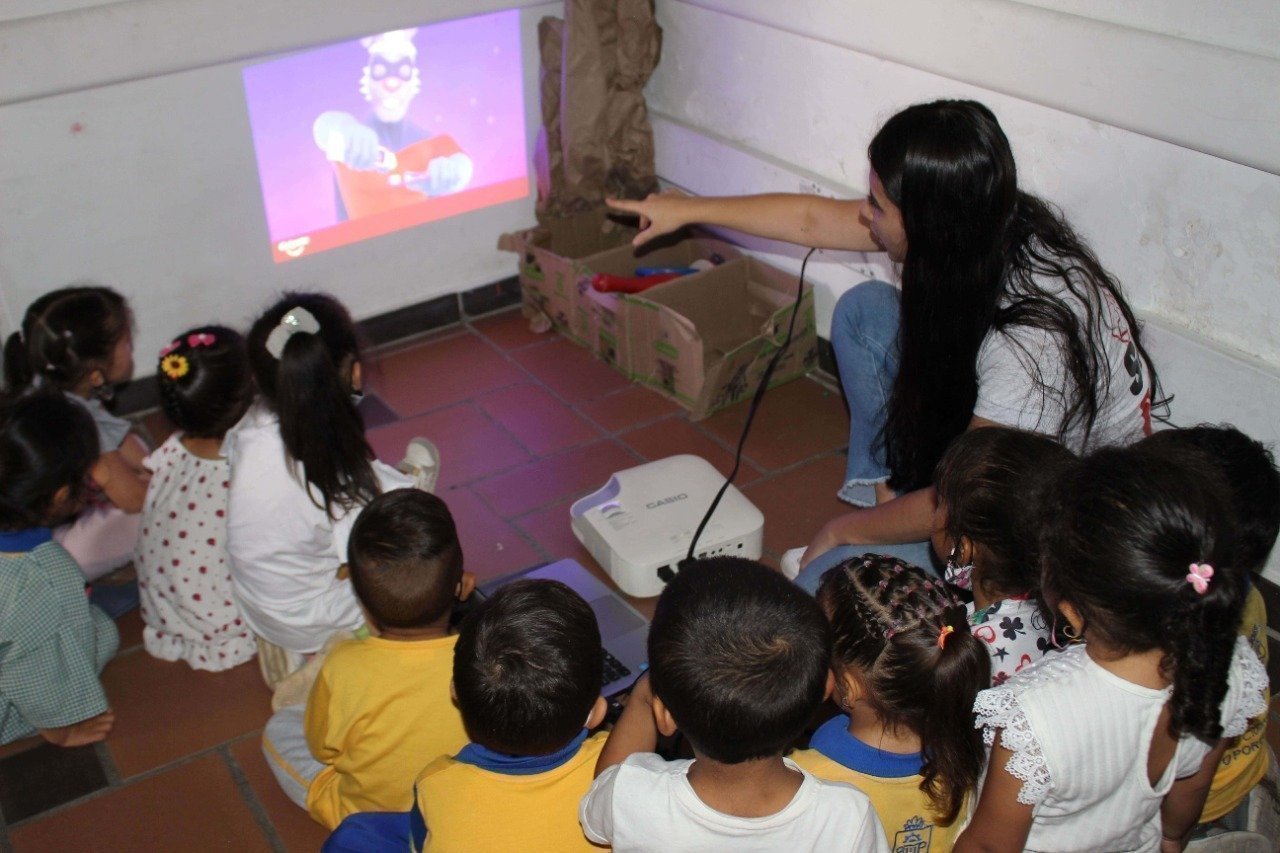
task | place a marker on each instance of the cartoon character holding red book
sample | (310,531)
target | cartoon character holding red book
(387,161)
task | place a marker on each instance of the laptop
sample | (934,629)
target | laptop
(624,632)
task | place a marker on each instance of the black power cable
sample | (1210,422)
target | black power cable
(751,414)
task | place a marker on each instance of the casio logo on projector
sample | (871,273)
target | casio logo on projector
(665,501)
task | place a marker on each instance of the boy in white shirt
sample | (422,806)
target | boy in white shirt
(738,662)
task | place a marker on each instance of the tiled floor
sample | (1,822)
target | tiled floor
(525,424)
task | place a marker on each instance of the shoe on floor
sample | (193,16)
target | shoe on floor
(422,463)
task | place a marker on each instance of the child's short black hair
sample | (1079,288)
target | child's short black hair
(204,380)
(1252,479)
(47,442)
(405,559)
(739,655)
(528,668)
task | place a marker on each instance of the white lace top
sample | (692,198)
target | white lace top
(1079,737)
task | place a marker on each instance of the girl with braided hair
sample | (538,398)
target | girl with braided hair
(184,573)
(1112,744)
(79,340)
(906,670)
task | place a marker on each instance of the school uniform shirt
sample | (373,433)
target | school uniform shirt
(1247,759)
(891,779)
(112,429)
(1010,360)
(285,549)
(647,803)
(380,711)
(53,642)
(1079,736)
(483,800)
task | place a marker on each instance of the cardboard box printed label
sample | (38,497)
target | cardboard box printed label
(549,266)
(705,340)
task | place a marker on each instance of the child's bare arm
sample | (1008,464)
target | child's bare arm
(1000,823)
(635,731)
(1185,800)
(134,450)
(123,483)
(84,732)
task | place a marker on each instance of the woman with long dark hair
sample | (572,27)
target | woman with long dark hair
(1005,316)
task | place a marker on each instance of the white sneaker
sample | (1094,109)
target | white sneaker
(790,562)
(422,463)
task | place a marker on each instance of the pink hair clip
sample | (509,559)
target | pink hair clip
(202,339)
(1199,577)
(170,347)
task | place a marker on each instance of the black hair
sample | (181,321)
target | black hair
(528,668)
(65,334)
(1117,543)
(990,481)
(978,250)
(739,656)
(405,559)
(47,442)
(309,389)
(906,639)
(1252,479)
(204,380)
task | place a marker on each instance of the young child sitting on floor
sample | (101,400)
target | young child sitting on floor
(53,642)
(1236,801)
(986,531)
(738,663)
(907,670)
(380,709)
(184,575)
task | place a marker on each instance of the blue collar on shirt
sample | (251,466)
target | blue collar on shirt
(20,541)
(519,765)
(833,740)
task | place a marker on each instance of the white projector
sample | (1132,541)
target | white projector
(643,519)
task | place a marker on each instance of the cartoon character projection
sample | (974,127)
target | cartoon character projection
(387,161)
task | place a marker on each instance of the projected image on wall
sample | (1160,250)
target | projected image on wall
(393,130)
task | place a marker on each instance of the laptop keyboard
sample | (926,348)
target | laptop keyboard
(613,668)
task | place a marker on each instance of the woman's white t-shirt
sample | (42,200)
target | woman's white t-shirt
(285,549)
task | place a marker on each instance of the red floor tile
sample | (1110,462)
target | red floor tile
(440,373)
(545,481)
(509,330)
(798,502)
(538,420)
(571,371)
(294,826)
(796,421)
(675,435)
(550,528)
(471,445)
(165,711)
(490,546)
(194,807)
(625,409)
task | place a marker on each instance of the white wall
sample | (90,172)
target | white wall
(1156,127)
(127,160)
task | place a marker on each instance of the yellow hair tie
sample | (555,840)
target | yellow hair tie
(942,635)
(175,366)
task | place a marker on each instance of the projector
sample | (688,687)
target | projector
(643,519)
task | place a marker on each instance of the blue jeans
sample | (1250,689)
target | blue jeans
(864,335)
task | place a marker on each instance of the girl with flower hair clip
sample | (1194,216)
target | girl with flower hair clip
(1111,744)
(184,572)
(906,670)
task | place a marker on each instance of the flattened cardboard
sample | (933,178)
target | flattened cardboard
(704,340)
(549,263)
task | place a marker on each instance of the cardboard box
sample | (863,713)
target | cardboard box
(600,321)
(704,340)
(549,268)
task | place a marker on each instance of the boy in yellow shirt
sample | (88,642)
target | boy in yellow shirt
(527,675)
(380,708)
